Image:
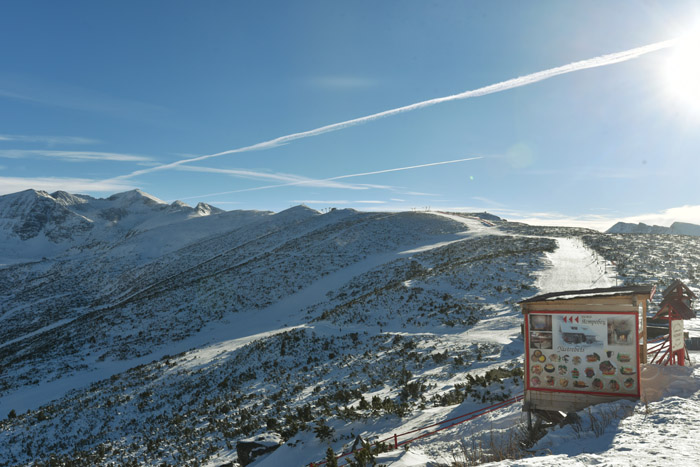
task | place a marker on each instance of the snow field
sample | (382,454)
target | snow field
(290,323)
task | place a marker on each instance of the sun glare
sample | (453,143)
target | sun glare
(683,72)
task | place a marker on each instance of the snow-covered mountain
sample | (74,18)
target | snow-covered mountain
(160,335)
(36,224)
(677,228)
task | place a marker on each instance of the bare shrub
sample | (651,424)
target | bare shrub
(493,447)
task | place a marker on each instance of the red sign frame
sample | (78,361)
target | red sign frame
(529,363)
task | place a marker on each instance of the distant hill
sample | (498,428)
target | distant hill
(677,228)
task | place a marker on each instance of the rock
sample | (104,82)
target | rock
(251,449)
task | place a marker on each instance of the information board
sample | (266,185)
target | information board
(677,341)
(583,352)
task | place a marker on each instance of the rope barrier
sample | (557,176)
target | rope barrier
(471,416)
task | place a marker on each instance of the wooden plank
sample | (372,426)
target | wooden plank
(643,350)
(567,304)
(610,299)
(565,402)
(603,308)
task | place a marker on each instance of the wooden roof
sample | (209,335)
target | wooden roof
(674,287)
(676,304)
(606,292)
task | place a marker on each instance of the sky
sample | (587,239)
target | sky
(582,113)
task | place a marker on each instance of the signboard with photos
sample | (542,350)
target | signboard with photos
(587,352)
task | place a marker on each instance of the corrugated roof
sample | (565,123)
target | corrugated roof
(592,293)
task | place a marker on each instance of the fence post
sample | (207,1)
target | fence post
(396,441)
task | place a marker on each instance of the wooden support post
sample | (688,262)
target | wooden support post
(643,353)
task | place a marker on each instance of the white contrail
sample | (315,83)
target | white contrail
(288,179)
(318,182)
(599,61)
(405,168)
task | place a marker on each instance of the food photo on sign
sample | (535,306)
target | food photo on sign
(582,352)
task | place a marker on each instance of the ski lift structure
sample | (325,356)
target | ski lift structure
(583,347)
(675,307)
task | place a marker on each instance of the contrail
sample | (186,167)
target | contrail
(405,168)
(602,60)
(339,177)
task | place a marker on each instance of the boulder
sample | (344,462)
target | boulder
(253,448)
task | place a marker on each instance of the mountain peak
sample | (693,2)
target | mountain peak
(180,204)
(685,228)
(300,209)
(68,199)
(136,196)
(204,209)
(32,193)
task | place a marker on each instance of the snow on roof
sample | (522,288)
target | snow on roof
(592,293)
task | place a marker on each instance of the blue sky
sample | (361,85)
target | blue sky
(103,97)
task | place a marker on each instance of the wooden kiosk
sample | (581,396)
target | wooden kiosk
(584,347)
(674,308)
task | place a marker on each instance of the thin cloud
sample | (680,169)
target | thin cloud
(595,222)
(603,60)
(49,140)
(339,82)
(488,201)
(30,89)
(338,202)
(603,173)
(431,164)
(687,213)
(320,182)
(223,202)
(601,222)
(51,184)
(417,193)
(72,156)
(290,179)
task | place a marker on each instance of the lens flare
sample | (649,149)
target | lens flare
(683,72)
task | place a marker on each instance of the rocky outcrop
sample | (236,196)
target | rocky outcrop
(251,449)
(677,228)
(32,212)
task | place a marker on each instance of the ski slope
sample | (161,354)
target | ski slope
(570,266)
(574,267)
(659,433)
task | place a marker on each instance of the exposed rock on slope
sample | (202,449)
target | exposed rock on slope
(677,228)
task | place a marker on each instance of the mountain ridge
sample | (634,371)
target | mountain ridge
(35,224)
(677,228)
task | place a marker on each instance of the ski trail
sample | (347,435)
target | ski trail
(574,267)
(475,225)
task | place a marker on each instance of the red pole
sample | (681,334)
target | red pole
(396,441)
(671,357)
